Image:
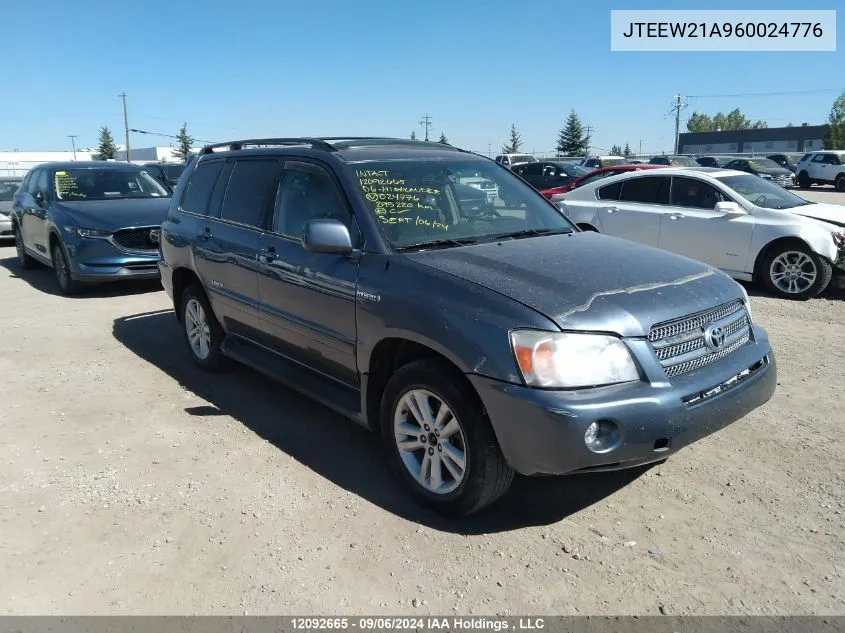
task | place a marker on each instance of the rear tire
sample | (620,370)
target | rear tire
(202,331)
(412,399)
(839,183)
(64,277)
(24,260)
(804,180)
(795,272)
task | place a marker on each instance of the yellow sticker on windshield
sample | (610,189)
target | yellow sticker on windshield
(61,173)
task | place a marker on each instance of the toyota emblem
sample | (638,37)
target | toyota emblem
(714,337)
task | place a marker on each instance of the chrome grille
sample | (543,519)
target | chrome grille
(680,345)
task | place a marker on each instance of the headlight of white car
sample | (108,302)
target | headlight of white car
(567,360)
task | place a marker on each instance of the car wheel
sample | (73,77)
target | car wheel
(439,440)
(804,180)
(840,182)
(795,272)
(203,334)
(67,284)
(24,260)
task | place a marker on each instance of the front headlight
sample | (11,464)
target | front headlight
(567,360)
(765,176)
(839,238)
(78,232)
(747,301)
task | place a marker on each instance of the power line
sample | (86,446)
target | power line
(167,135)
(767,94)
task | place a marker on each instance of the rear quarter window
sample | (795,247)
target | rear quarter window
(610,192)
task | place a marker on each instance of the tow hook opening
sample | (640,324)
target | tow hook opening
(662,444)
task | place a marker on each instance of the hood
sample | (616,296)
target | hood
(112,215)
(831,213)
(589,281)
(775,171)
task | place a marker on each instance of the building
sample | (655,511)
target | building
(18,163)
(767,140)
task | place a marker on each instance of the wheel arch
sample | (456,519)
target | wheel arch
(388,355)
(182,278)
(784,242)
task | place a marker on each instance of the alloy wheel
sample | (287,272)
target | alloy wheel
(60,264)
(430,441)
(198,329)
(793,272)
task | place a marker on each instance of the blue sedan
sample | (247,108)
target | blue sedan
(90,221)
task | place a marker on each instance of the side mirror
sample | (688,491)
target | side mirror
(39,198)
(729,208)
(327,236)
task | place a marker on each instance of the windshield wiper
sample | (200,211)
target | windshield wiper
(515,235)
(438,244)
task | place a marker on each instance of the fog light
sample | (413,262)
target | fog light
(602,436)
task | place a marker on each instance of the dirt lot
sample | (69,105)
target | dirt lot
(132,483)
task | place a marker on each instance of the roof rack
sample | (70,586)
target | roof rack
(315,143)
(329,143)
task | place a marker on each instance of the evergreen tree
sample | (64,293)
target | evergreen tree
(185,143)
(835,136)
(107,147)
(573,139)
(627,151)
(443,139)
(616,150)
(515,142)
(413,135)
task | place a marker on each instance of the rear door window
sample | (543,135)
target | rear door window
(251,191)
(610,192)
(646,190)
(198,191)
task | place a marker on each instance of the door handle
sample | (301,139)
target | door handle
(676,216)
(205,234)
(268,254)
(611,209)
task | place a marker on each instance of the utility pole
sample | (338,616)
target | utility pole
(641,149)
(426,121)
(677,107)
(122,95)
(489,150)
(72,138)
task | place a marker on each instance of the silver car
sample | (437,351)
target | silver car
(746,226)
(8,186)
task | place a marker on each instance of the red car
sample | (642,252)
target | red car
(596,174)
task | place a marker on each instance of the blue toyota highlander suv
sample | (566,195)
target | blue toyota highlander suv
(479,337)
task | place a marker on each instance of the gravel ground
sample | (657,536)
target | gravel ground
(132,483)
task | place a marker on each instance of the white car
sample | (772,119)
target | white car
(597,162)
(739,223)
(822,168)
(509,160)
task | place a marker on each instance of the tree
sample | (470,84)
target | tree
(733,120)
(616,150)
(790,124)
(443,139)
(627,151)
(107,147)
(760,125)
(413,135)
(835,136)
(573,140)
(515,142)
(185,143)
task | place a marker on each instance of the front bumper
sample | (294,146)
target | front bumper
(542,431)
(97,260)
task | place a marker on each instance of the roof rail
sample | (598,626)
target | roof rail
(316,143)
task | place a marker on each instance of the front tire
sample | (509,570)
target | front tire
(203,334)
(24,259)
(804,180)
(64,278)
(439,441)
(839,183)
(795,272)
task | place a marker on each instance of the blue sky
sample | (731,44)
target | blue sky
(283,67)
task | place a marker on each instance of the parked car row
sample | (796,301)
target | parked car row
(479,335)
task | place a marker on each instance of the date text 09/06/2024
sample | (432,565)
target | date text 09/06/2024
(432,623)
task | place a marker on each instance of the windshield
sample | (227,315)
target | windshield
(763,193)
(763,163)
(683,161)
(174,171)
(571,169)
(419,203)
(8,189)
(106,184)
(523,158)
